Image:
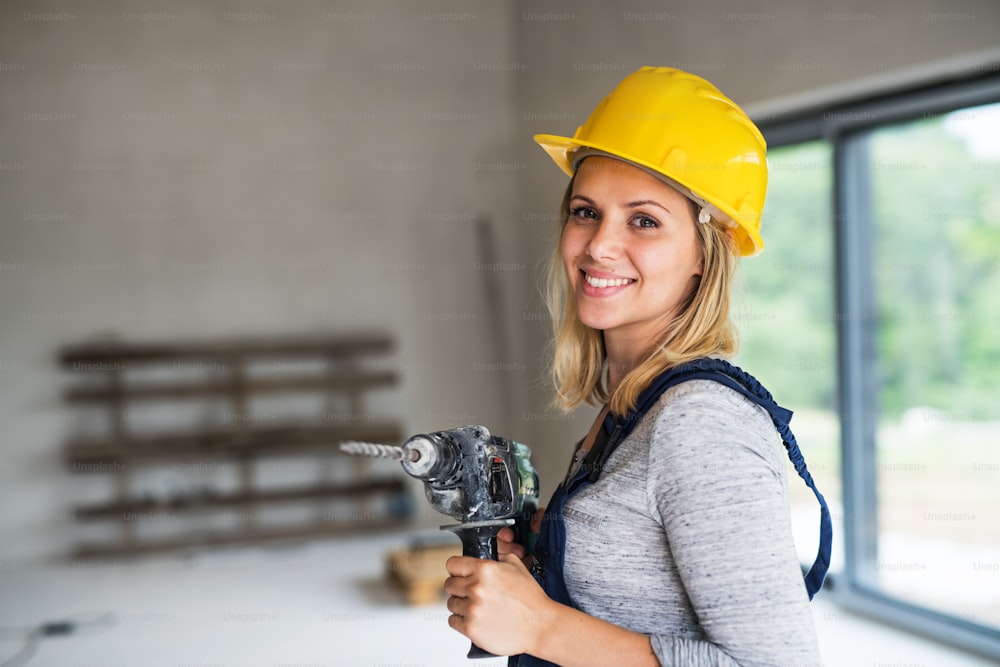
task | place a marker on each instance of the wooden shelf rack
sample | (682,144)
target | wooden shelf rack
(335,371)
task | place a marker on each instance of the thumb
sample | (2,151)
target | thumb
(512,559)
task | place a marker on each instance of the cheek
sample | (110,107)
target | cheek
(671,266)
(689,258)
(697,263)
(569,245)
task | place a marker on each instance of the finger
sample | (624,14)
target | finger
(461,566)
(506,544)
(457,586)
(457,623)
(457,606)
(511,548)
(513,559)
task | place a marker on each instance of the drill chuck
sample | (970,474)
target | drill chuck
(425,457)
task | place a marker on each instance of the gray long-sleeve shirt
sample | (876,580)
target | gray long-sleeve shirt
(686,537)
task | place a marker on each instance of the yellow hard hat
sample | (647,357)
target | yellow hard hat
(682,128)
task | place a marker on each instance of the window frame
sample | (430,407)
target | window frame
(846,126)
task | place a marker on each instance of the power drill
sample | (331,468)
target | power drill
(485,481)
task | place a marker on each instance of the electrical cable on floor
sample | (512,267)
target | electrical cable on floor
(34,636)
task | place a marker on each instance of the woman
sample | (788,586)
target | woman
(670,541)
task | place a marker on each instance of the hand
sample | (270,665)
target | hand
(497,604)
(505,538)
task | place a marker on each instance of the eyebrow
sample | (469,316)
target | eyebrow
(634,204)
(644,202)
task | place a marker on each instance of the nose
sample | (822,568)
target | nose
(605,241)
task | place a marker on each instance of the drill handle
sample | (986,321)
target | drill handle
(479,544)
(479,540)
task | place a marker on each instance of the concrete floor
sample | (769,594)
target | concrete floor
(315,605)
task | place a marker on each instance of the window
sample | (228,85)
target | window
(873,315)
(787,327)
(935,210)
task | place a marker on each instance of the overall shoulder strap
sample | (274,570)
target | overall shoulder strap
(739,380)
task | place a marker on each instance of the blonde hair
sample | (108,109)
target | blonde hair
(700,328)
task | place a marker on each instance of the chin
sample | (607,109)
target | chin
(598,323)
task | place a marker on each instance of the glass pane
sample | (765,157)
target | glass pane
(936,208)
(789,331)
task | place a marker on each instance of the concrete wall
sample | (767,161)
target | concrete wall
(192,169)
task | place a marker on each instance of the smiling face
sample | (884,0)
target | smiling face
(631,252)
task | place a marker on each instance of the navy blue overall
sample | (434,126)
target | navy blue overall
(550,548)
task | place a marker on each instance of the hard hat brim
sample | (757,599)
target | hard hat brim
(561,150)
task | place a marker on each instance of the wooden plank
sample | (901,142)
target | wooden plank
(83,357)
(264,439)
(192,503)
(213,388)
(241,407)
(297,533)
(122,483)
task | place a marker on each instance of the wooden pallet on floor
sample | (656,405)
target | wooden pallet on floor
(419,570)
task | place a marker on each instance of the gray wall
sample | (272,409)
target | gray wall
(212,169)
(222,169)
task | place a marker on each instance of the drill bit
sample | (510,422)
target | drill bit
(380,451)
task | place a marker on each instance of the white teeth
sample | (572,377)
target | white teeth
(604,282)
